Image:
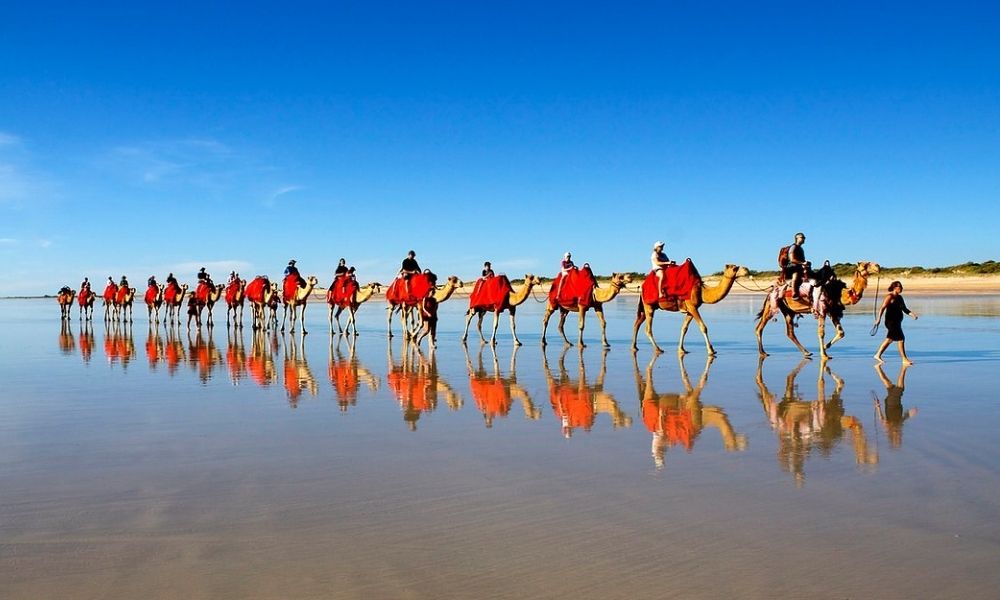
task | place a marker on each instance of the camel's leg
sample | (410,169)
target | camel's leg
(562,326)
(513,327)
(334,315)
(604,326)
(821,334)
(839,336)
(496,324)
(389,321)
(468,320)
(545,322)
(352,323)
(704,331)
(790,332)
(303,318)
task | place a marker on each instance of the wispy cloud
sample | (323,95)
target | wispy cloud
(8,242)
(43,243)
(272,200)
(8,139)
(192,160)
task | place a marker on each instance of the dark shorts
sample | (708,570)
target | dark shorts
(894,331)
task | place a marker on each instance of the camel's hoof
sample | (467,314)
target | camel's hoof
(658,350)
(682,351)
(304,332)
(635,349)
(518,343)
(807,354)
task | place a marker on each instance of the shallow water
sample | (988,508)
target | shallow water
(162,464)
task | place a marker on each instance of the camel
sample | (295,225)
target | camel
(689,305)
(67,344)
(87,341)
(110,292)
(118,344)
(297,375)
(235,296)
(352,302)
(678,419)
(123,303)
(213,296)
(173,298)
(236,356)
(260,292)
(494,394)
(260,363)
(154,300)
(408,307)
(417,385)
(65,299)
(86,299)
(509,302)
(203,355)
(347,374)
(804,426)
(154,346)
(599,296)
(272,304)
(576,403)
(294,300)
(776,303)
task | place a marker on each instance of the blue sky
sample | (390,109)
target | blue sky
(141,140)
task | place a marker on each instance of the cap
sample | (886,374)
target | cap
(658,245)
(568,255)
(291,262)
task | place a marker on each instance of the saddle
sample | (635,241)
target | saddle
(678,281)
(577,288)
(490,293)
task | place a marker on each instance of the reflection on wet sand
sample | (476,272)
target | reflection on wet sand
(67,344)
(298,377)
(893,416)
(576,403)
(173,351)
(806,425)
(203,355)
(119,348)
(154,346)
(87,340)
(236,354)
(347,373)
(493,393)
(678,419)
(417,385)
(260,364)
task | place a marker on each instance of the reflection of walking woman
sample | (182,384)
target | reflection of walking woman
(893,308)
(893,416)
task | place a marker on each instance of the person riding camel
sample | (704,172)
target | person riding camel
(291,269)
(204,276)
(124,282)
(660,262)
(233,276)
(340,275)
(793,264)
(151,282)
(487,273)
(408,269)
(172,282)
(565,267)
(85,284)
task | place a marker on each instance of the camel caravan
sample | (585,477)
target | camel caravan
(415,295)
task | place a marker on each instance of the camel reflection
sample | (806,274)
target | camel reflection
(260,364)
(154,347)
(298,377)
(203,355)
(893,416)
(67,344)
(119,348)
(804,426)
(493,393)
(236,355)
(174,352)
(417,384)
(576,403)
(347,374)
(678,419)
(87,340)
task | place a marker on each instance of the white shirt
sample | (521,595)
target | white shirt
(658,257)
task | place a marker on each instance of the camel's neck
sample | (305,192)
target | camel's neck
(608,294)
(853,294)
(444,293)
(364,294)
(711,295)
(521,294)
(304,292)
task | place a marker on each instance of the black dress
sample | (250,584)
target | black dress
(894,318)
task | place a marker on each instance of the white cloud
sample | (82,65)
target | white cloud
(273,198)
(8,139)
(45,243)
(193,160)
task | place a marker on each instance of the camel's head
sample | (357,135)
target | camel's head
(621,279)
(530,279)
(454,281)
(735,271)
(376,286)
(311,280)
(868,268)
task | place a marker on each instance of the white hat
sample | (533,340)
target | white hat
(658,245)
(568,255)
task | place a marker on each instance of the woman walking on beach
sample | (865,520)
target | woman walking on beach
(893,308)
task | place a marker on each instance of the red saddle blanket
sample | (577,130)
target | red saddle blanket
(151,293)
(290,287)
(120,295)
(202,291)
(232,290)
(110,292)
(577,289)
(341,293)
(491,396)
(490,293)
(83,297)
(170,293)
(255,289)
(572,403)
(420,286)
(678,281)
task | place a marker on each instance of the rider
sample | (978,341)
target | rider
(291,269)
(564,269)
(203,276)
(408,269)
(660,261)
(85,284)
(794,264)
(124,282)
(172,282)
(488,269)
(151,282)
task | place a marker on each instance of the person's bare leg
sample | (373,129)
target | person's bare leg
(902,353)
(881,349)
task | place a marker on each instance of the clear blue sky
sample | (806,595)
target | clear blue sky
(139,140)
